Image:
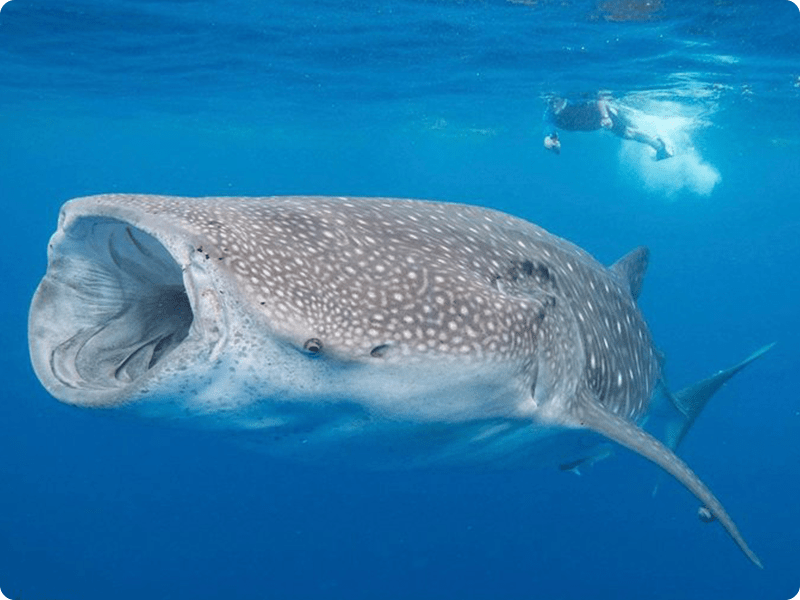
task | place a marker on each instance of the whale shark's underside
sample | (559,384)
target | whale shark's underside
(393,332)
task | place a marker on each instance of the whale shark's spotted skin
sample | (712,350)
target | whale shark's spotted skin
(457,329)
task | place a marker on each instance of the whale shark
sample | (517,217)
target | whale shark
(394,331)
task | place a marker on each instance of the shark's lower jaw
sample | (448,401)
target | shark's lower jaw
(112,306)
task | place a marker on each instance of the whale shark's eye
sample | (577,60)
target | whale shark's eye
(313,346)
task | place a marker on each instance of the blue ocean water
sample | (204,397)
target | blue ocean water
(431,99)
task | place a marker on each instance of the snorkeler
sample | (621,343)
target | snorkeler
(591,115)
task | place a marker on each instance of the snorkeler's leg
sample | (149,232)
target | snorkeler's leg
(656,143)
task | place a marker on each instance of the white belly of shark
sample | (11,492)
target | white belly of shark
(401,331)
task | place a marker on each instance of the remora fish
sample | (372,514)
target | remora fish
(415,330)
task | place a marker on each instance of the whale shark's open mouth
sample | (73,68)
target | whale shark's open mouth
(112,306)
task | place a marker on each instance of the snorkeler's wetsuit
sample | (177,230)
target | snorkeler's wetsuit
(583,115)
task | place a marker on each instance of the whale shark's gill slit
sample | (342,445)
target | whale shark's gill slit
(160,349)
(120,302)
(526,277)
(135,363)
(534,376)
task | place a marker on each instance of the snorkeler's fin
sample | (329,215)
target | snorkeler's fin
(663,151)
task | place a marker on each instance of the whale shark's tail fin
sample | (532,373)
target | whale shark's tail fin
(691,400)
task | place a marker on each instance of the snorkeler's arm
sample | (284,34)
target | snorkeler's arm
(550,132)
(605,117)
(549,127)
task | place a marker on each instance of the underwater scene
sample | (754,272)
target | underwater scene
(242,367)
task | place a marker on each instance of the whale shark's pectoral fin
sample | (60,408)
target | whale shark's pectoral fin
(691,400)
(591,414)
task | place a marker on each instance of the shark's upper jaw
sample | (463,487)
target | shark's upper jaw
(114,306)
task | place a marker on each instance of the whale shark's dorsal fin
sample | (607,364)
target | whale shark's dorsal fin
(632,267)
(691,400)
(592,415)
